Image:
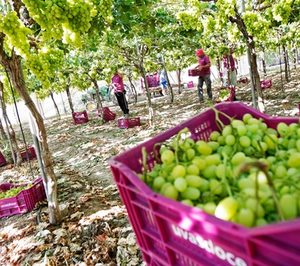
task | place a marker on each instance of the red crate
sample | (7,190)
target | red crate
(171,233)
(190,85)
(2,159)
(129,122)
(266,84)
(31,153)
(107,114)
(80,117)
(24,201)
(194,72)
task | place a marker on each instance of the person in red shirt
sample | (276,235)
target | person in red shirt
(229,66)
(119,91)
(204,74)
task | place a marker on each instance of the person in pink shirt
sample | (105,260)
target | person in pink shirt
(204,74)
(119,91)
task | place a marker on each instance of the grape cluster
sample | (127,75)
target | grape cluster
(12,192)
(16,33)
(106,10)
(246,172)
(45,64)
(62,19)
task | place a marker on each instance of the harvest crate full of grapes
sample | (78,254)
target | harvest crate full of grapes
(219,189)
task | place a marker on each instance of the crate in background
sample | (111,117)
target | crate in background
(107,114)
(24,201)
(129,122)
(2,159)
(171,233)
(194,72)
(30,152)
(80,117)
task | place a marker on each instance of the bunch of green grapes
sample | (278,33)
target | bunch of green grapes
(62,19)
(45,63)
(106,10)
(224,94)
(15,33)
(12,192)
(246,173)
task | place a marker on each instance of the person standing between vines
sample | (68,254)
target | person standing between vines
(119,91)
(204,74)
(230,70)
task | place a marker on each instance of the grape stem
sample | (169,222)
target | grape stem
(264,168)
(145,165)
(220,124)
(178,137)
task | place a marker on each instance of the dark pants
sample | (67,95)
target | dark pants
(207,81)
(122,102)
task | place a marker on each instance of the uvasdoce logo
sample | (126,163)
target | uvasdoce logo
(209,246)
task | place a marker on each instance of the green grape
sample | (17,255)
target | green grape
(245,217)
(280,171)
(194,181)
(190,153)
(158,183)
(216,187)
(209,207)
(180,184)
(237,123)
(226,208)
(178,171)
(221,171)
(167,156)
(227,130)
(213,159)
(238,158)
(282,129)
(171,192)
(221,140)
(163,187)
(187,202)
(192,169)
(260,222)
(253,204)
(246,118)
(227,150)
(288,206)
(245,183)
(230,140)
(294,160)
(191,193)
(199,162)
(241,130)
(245,141)
(203,148)
(214,145)
(214,135)
(209,172)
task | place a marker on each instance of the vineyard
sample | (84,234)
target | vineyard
(101,198)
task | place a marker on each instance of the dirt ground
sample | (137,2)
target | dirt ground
(95,230)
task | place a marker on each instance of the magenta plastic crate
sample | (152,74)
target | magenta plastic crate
(80,117)
(24,201)
(2,159)
(266,84)
(190,84)
(170,233)
(107,114)
(194,72)
(31,153)
(129,122)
